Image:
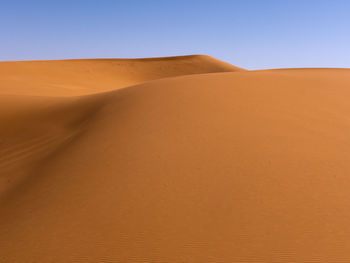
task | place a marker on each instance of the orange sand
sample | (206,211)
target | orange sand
(216,165)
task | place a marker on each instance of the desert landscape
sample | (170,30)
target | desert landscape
(174,159)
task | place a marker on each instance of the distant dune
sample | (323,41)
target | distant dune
(85,76)
(181,159)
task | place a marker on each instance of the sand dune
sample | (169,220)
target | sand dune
(224,166)
(85,76)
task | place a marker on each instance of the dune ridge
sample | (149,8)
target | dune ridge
(231,166)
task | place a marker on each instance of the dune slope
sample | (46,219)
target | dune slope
(223,167)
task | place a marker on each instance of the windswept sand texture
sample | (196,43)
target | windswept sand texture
(237,166)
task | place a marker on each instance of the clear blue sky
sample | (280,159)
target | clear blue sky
(253,34)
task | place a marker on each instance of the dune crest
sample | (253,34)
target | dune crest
(235,166)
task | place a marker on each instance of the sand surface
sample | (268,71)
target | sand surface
(182,159)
